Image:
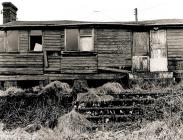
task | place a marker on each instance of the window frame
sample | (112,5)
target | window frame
(79,36)
(29,34)
(92,37)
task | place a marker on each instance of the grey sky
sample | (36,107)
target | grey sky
(96,10)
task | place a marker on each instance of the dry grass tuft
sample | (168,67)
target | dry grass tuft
(74,122)
(110,88)
(19,108)
(93,96)
(89,96)
(57,87)
(14,91)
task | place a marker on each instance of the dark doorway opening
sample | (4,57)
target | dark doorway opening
(27,84)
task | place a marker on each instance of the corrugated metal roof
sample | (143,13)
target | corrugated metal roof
(71,22)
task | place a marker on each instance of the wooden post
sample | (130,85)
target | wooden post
(136,14)
(45,59)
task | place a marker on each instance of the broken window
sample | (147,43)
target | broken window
(12,41)
(86,40)
(36,40)
(79,40)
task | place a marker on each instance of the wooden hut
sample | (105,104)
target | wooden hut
(70,50)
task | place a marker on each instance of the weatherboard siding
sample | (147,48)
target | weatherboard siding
(23,41)
(175,49)
(78,64)
(53,40)
(113,47)
(23,63)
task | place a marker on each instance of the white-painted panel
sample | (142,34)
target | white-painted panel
(158,59)
(158,64)
(86,44)
(38,47)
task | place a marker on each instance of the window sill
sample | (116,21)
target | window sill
(76,53)
(35,51)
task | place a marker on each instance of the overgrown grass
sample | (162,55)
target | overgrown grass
(30,114)
(19,108)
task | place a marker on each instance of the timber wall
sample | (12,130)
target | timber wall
(113,47)
(23,63)
(53,41)
(79,64)
(175,51)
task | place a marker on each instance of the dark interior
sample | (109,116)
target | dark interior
(34,40)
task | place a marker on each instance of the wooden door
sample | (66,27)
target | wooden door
(158,51)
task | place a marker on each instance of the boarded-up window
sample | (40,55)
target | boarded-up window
(72,39)
(86,40)
(12,41)
(2,38)
(140,43)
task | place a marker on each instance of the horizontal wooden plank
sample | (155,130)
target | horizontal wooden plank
(116,37)
(78,71)
(23,63)
(53,48)
(23,77)
(78,65)
(52,41)
(84,69)
(174,38)
(113,70)
(87,76)
(53,66)
(175,58)
(52,69)
(176,43)
(22,54)
(52,35)
(79,57)
(123,64)
(21,71)
(112,32)
(54,57)
(54,60)
(52,38)
(113,56)
(178,53)
(60,76)
(21,60)
(20,66)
